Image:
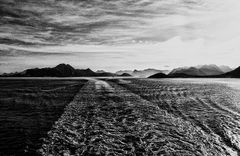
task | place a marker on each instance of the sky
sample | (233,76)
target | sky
(114,34)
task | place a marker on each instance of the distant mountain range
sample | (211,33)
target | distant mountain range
(61,70)
(201,70)
(208,71)
(66,70)
(141,73)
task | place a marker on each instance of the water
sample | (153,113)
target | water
(198,115)
(28,109)
(212,105)
(150,117)
(232,82)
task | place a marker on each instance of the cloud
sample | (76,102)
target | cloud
(125,34)
(16,53)
(88,22)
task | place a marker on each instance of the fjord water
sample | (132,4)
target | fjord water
(211,105)
(28,108)
(150,116)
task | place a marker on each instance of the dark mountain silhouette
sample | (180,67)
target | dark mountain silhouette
(159,75)
(36,72)
(65,70)
(232,74)
(175,75)
(61,70)
(84,72)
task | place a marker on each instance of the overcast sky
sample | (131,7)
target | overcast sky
(118,34)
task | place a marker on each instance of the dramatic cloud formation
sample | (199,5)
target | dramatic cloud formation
(114,34)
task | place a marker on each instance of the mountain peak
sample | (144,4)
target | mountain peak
(65,69)
(63,65)
(88,69)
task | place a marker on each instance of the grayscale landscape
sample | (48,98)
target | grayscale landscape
(119,78)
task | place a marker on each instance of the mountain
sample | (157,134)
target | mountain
(100,71)
(84,72)
(142,73)
(104,73)
(232,74)
(61,70)
(65,70)
(225,69)
(125,74)
(120,72)
(211,69)
(159,75)
(147,72)
(187,71)
(201,70)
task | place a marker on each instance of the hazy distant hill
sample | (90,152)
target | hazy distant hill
(100,71)
(61,70)
(120,72)
(210,70)
(187,71)
(201,70)
(225,69)
(104,73)
(142,73)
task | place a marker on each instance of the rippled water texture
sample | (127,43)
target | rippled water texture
(120,117)
(28,108)
(149,117)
